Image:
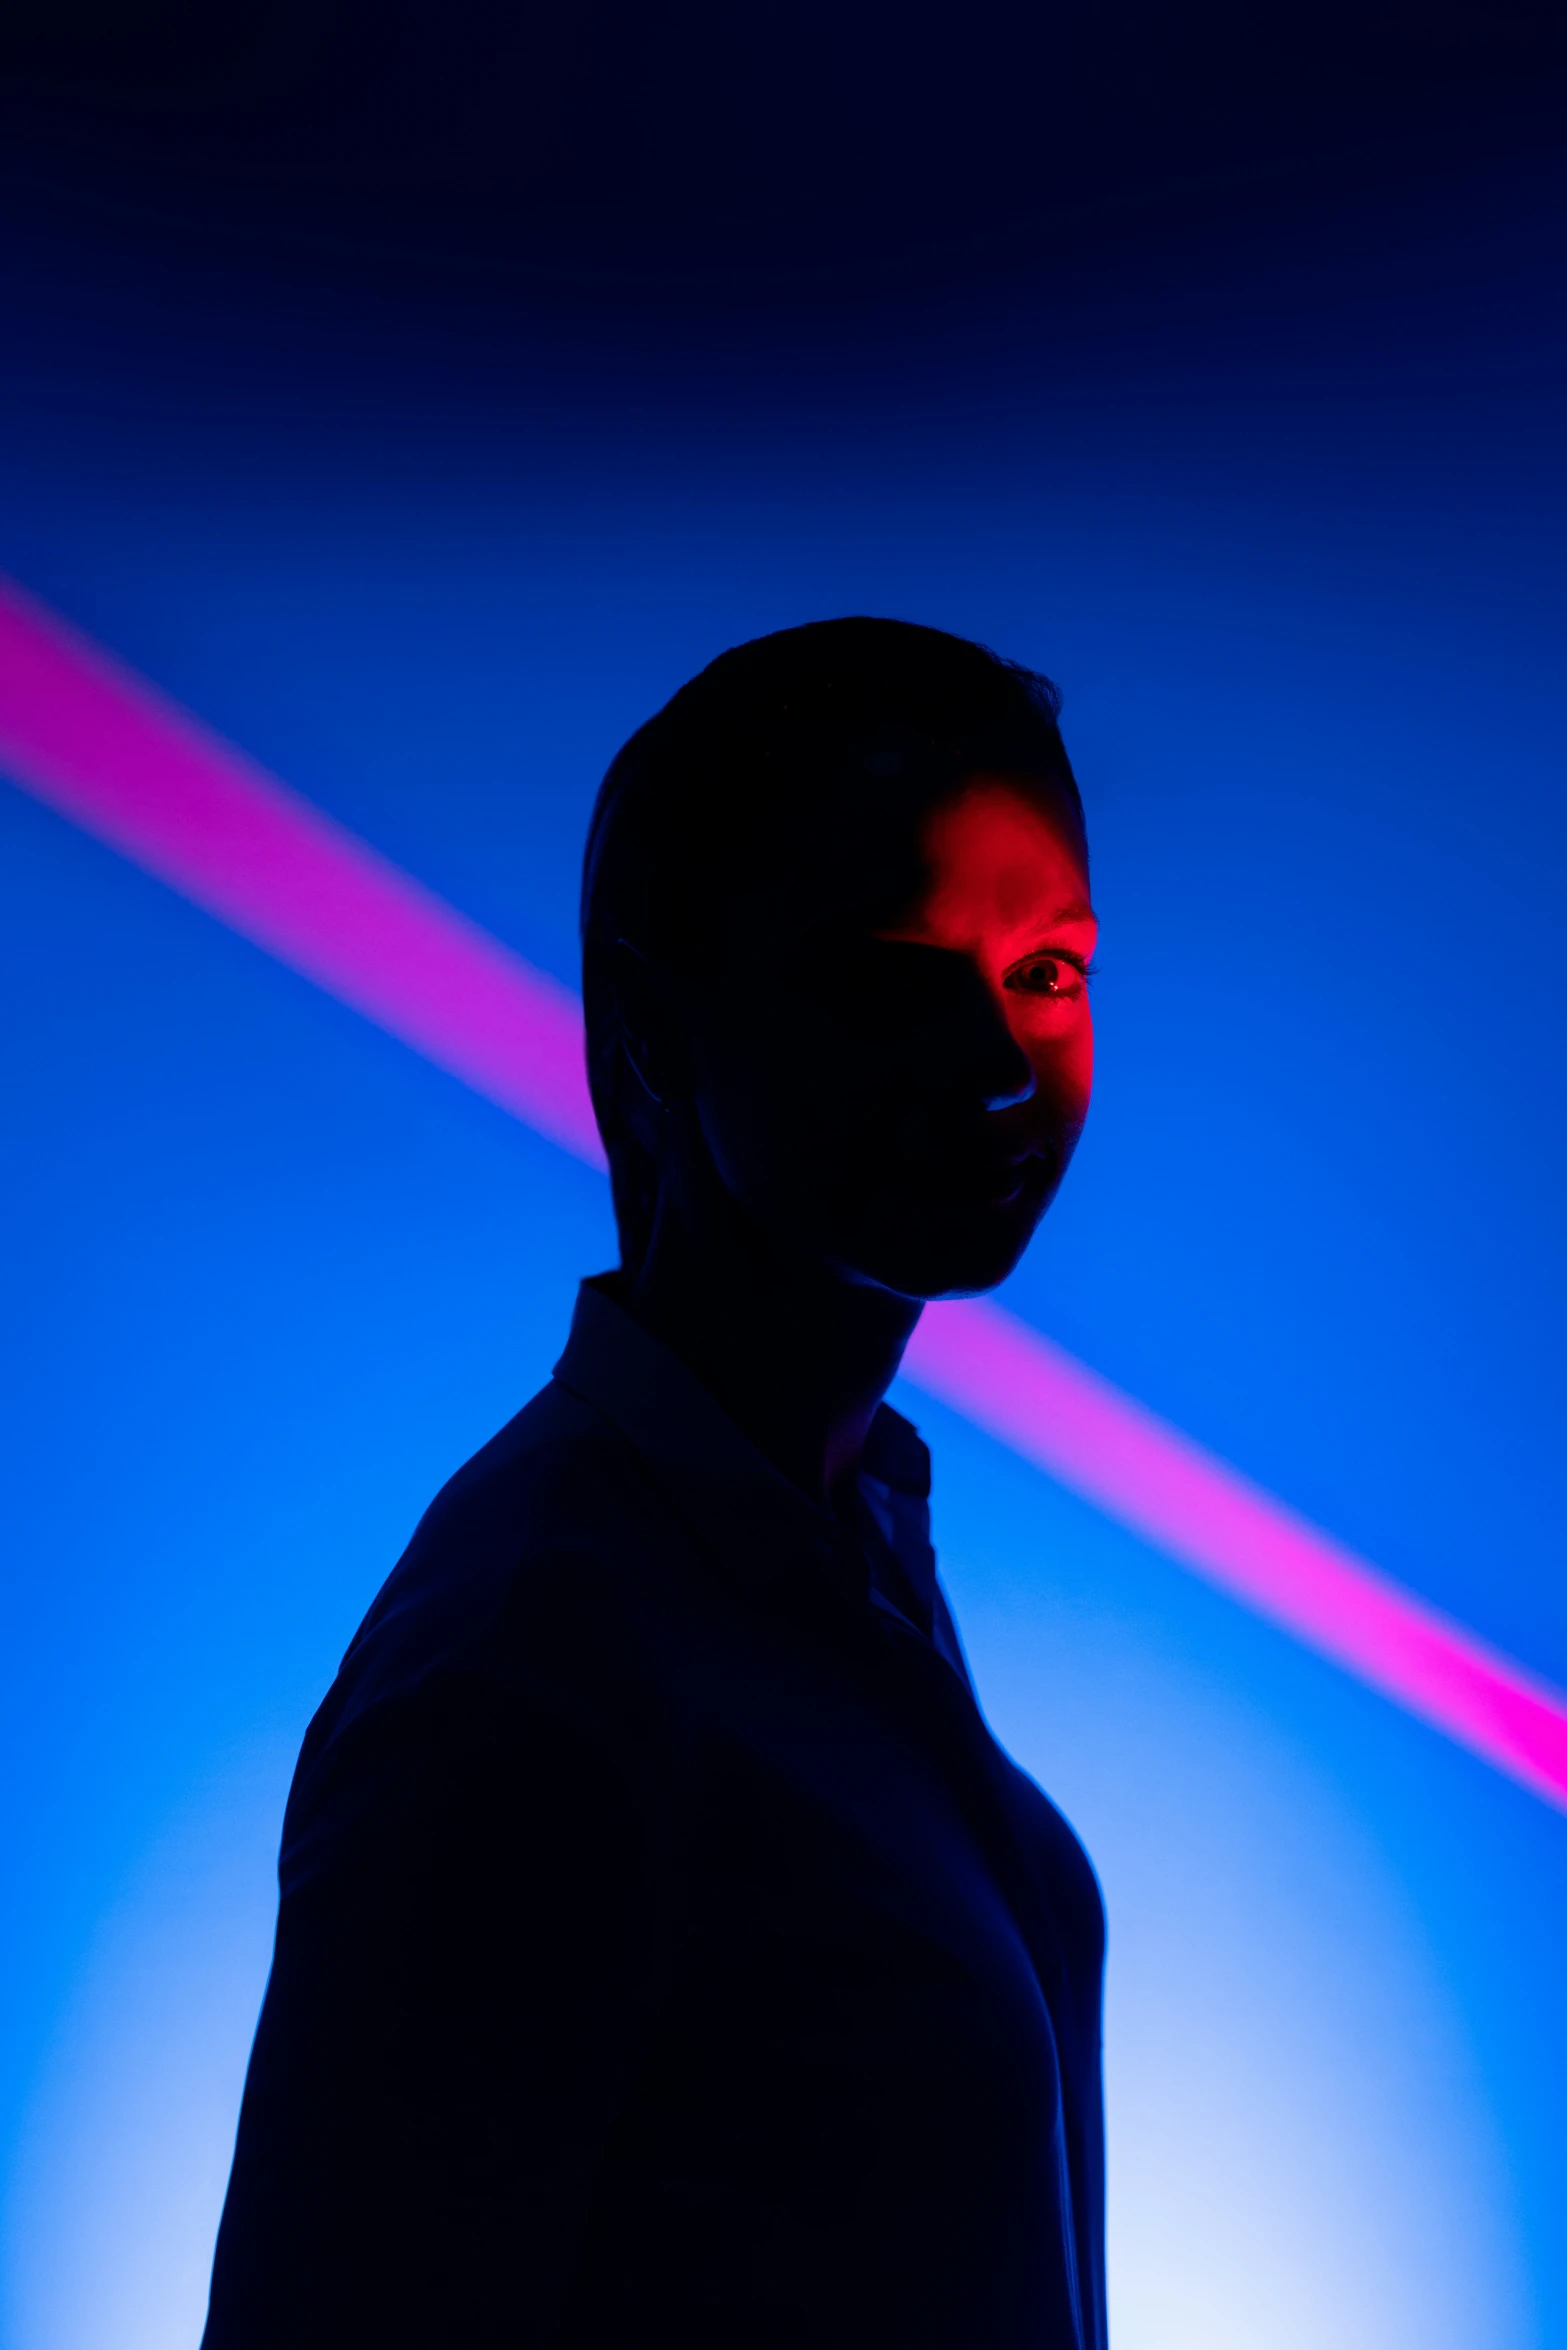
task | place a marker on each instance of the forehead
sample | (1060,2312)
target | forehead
(866,858)
(1000,842)
(992,822)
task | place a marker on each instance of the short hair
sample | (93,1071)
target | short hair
(882,714)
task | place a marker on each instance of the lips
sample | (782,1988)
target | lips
(1002,1183)
(973,1171)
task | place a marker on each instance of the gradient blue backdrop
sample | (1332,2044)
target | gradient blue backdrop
(1284,515)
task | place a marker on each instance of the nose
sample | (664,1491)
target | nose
(1006,1074)
(992,1061)
(1020,1086)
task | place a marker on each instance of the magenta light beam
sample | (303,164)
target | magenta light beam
(1018,1386)
(94,742)
(83,734)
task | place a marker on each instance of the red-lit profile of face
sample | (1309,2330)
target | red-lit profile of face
(898,1099)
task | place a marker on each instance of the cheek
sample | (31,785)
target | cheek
(783,1101)
(1080,1064)
(1063,1066)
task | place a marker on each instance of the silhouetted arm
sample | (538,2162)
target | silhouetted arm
(470,1948)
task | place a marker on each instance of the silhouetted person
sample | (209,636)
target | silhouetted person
(667,1953)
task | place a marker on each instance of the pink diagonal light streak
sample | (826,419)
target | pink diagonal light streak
(96,743)
(82,733)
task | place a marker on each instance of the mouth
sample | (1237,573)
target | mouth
(1017,1177)
(986,1175)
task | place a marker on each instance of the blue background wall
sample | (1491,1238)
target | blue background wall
(1282,509)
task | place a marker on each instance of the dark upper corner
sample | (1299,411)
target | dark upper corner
(614,142)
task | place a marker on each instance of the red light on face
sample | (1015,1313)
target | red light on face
(1007,890)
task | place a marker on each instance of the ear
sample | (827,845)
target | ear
(652,1034)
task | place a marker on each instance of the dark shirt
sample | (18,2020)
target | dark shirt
(667,1953)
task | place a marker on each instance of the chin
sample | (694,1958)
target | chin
(961,1255)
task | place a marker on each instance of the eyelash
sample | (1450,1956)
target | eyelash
(1084,969)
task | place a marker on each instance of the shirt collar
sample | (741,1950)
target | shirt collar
(758,1524)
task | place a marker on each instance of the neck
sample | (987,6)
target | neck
(797,1355)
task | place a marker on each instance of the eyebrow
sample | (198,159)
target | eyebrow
(1078,911)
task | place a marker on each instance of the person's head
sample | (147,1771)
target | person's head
(836,933)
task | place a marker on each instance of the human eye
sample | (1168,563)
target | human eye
(1056,974)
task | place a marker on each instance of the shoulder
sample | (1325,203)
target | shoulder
(1065,1872)
(542,1577)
